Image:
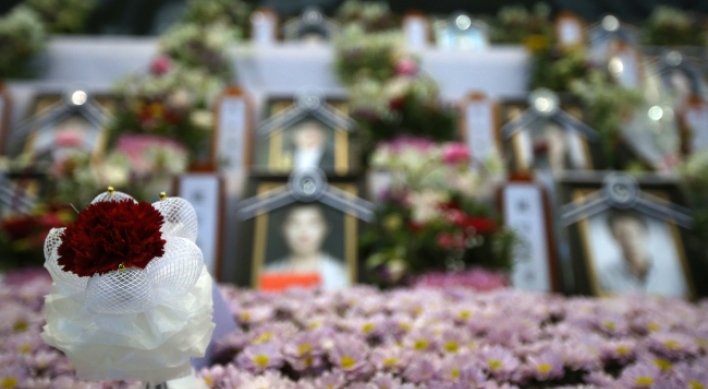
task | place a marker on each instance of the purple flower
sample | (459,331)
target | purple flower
(639,377)
(461,368)
(672,345)
(303,351)
(546,366)
(498,361)
(385,381)
(420,369)
(330,380)
(619,351)
(260,357)
(390,358)
(350,356)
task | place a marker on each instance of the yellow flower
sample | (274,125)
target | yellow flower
(536,42)
(392,222)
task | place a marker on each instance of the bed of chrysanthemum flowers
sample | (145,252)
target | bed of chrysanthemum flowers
(363,338)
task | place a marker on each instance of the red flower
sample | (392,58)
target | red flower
(107,234)
(19,227)
(397,103)
(481,225)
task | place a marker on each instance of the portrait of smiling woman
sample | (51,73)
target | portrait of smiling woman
(304,231)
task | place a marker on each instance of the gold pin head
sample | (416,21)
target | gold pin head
(110,190)
(121,267)
(163,196)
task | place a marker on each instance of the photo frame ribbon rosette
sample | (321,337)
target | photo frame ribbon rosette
(131,297)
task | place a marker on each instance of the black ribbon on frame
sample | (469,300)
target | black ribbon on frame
(621,191)
(307,186)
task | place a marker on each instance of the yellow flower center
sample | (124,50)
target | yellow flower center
(464,315)
(609,325)
(663,364)
(208,381)
(24,348)
(695,385)
(368,327)
(261,360)
(263,338)
(544,368)
(245,316)
(644,381)
(672,345)
(420,344)
(388,362)
(451,347)
(622,350)
(304,348)
(20,326)
(404,326)
(309,361)
(455,373)
(347,362)
(495,364)
(9,382)
(653,326)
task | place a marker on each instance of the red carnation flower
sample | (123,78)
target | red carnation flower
(109,233)
(481,225)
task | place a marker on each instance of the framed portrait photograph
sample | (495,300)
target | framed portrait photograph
(416,28)
(625,63)
(570,30)
(232,140)
(693,123)
(627,250)
(59,122)
(264,27)
(525,209)
(5,117)
(302,138)
(206,193)
(479,126)
(545,145)
(305,244)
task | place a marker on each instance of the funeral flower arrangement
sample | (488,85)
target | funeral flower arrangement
(22,37)
(202,47)
(169,101)
(372,16)
(63,16)
(231,13)
(22,236)
(515,24)
(407,339)
(669,26)
(389,94)
(436,214)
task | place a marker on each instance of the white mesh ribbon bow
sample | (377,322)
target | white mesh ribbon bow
(132,323)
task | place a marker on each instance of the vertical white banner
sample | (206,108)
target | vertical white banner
(263,27)
(232,132)
(479,118)
(415,28)
(697,121)
(203,192)
(524,213)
